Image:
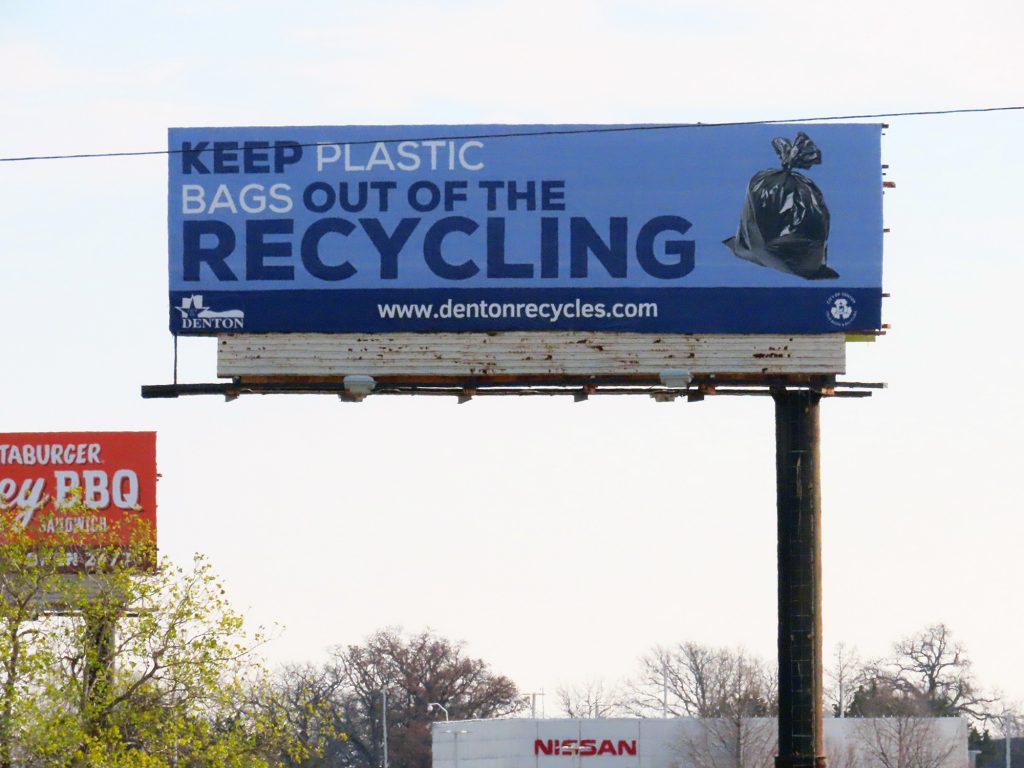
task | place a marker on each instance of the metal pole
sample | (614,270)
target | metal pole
(533,703)
(797,462)
(384,722)
(664,689)
(1006,734)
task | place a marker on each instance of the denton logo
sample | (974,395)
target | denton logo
(584,747)
(195,316)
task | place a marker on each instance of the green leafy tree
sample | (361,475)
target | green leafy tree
(30,577)
(120,660)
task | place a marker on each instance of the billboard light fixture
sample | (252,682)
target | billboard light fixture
(358,386)
(675,378)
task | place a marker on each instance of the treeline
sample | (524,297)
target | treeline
(926,675)
(890,700)
(110,666)
(110,658)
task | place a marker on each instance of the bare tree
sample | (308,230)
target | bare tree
(591,699)
(842,754)
(928,674)
(904,742)
(696,680)
(731,692)
(732,742)
(311,704)
(843,676)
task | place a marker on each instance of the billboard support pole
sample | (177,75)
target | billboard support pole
(798,494)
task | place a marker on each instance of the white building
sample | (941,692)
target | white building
(691,743)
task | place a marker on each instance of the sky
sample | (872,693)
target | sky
(559,541)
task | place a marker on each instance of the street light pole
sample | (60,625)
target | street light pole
(1007,735)
(533,702)
(384,722)
(433,704)
(664,688)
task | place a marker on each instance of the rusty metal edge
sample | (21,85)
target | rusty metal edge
(827,386)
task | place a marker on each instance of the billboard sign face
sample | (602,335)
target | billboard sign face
(388,229)
(81,488)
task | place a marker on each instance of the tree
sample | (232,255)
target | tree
(591,699)
(28,575)
(875,697)
(732,742)
(842,754)
(108,662)
(415,670)
(730,691)
(843,677)
(928,674)
(313,706)
(696,680)
(158,665)
(931,667)
(903,741)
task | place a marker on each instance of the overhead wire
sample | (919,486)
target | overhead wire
(547,132)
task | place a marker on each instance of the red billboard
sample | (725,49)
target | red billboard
(81,488)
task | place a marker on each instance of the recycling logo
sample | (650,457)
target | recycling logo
(842,309)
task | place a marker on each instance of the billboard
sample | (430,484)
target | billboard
(488,228)
(80,488)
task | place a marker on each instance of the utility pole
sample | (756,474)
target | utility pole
(1008,736)
(664,687)
(533,702)
(384,723)
(798,493)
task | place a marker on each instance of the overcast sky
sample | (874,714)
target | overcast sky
(559,540)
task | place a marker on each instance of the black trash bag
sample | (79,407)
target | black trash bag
(784,224)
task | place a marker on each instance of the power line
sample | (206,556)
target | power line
(555,132)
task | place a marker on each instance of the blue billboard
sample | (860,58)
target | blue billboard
(657,229)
